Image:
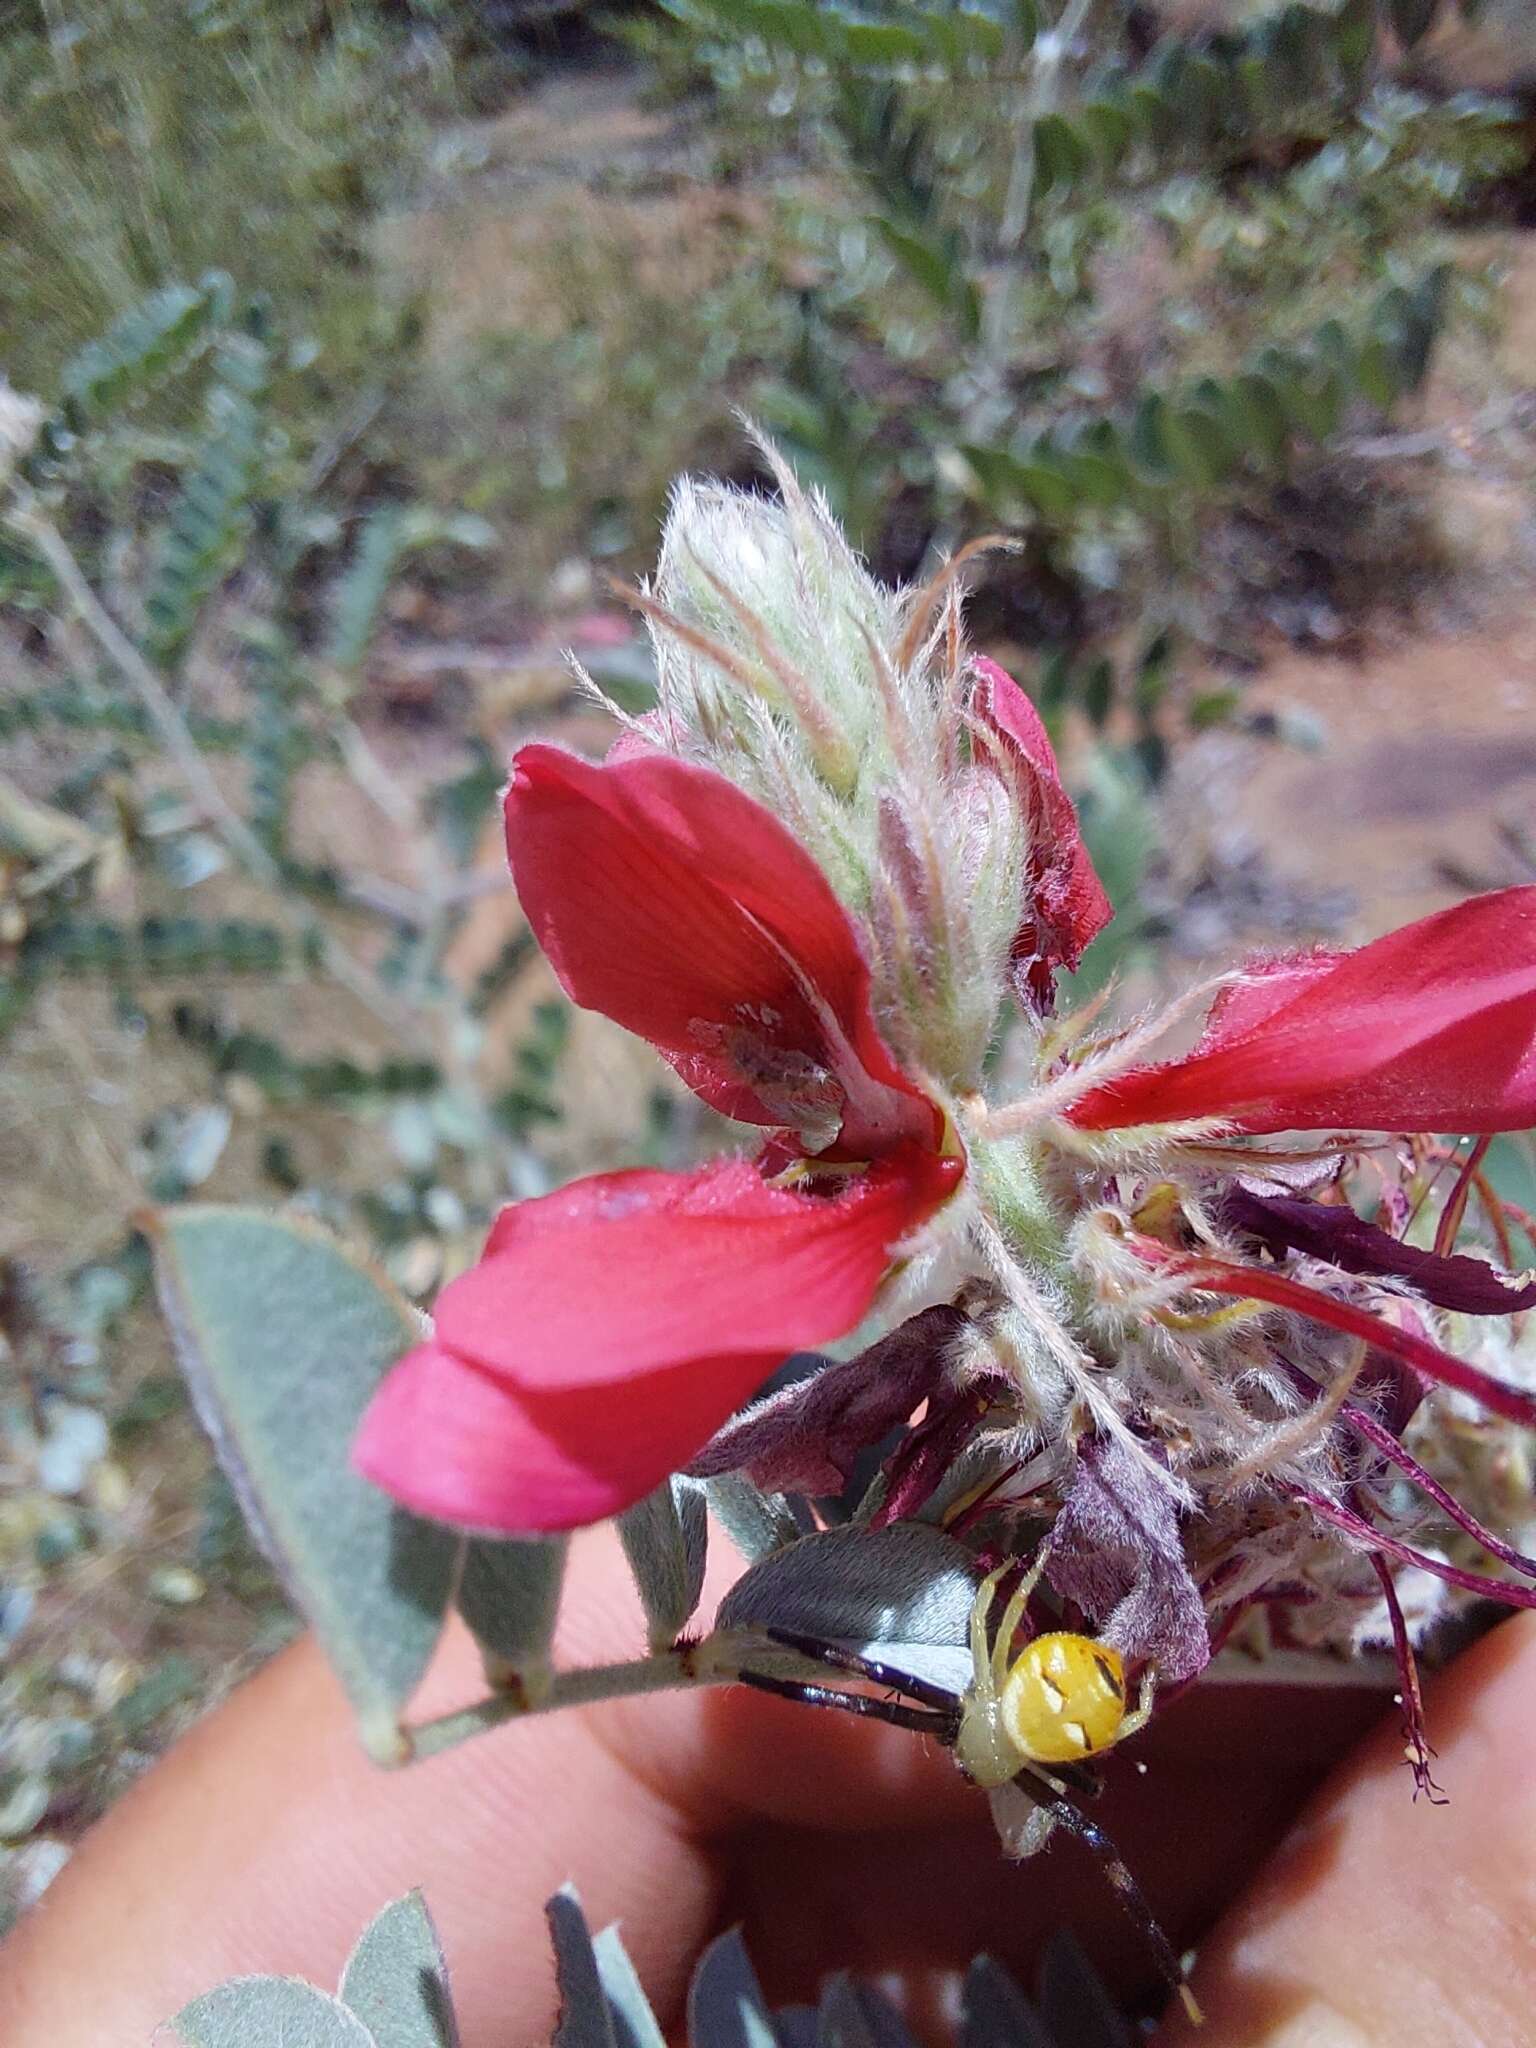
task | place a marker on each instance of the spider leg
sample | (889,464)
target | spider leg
(918,1719)
(1066,1781)
(1130,1894)
(920,1689)
(1141,1713)
(1013,1614)
(981,1658)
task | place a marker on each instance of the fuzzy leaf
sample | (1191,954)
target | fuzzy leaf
(807,1436)
(904,1593)
(283,1336)
(396,1980)
(725,2000)
(1074,2003)
(997,2014)
(757,1523)
(509,1593)
(585,2020)
(629,2010)
(270,2012)
(857,2016)
(1116,1550)
(664,1538)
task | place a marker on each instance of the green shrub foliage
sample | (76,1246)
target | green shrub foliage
(219,618)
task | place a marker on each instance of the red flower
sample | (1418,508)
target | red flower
(1065,905)
(610,1328)
(1432,1028)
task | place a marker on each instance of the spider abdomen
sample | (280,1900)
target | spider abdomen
(1064,1698)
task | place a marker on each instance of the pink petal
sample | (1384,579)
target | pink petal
(1065,902)
(1432,1028)
(628,1273)
(458,1444)
(677,905)
(612,1327)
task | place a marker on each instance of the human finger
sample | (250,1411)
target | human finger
(1382,1920)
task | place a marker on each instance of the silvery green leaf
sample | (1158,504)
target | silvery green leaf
(664,1537)
(996,2012)
(585,2020)
(509,1593)
(396,1980)
(857,2016)
(283,1336)
(634,2023)
(903,1593)
(796,2026)
(726,2008)
(270,2012)
(1073,2000)
(757,1523)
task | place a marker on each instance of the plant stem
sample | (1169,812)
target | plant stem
(667,1671)
(717,1660)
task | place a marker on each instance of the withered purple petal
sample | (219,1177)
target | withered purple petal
(805,1438)
(1325,1230)
(1116,1551)
(922,1458)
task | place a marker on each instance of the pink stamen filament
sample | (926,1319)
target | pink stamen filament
(1219,1276)
(1372,1538)
(1419,1751)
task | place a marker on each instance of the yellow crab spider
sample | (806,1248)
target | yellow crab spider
(1034,1720)
(1061,1701)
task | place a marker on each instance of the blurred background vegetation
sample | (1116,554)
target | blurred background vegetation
(351,346)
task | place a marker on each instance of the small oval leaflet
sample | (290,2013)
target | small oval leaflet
(726,2007)
(269,2012)
(396,1980)
(664,1539)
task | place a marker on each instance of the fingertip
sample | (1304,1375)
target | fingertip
(1383,1919)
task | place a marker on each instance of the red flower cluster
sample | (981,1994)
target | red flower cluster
(610,1328)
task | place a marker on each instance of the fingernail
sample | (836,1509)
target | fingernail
(1317,2025)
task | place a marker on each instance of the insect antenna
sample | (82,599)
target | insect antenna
(920,1719)
(1131,1896)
